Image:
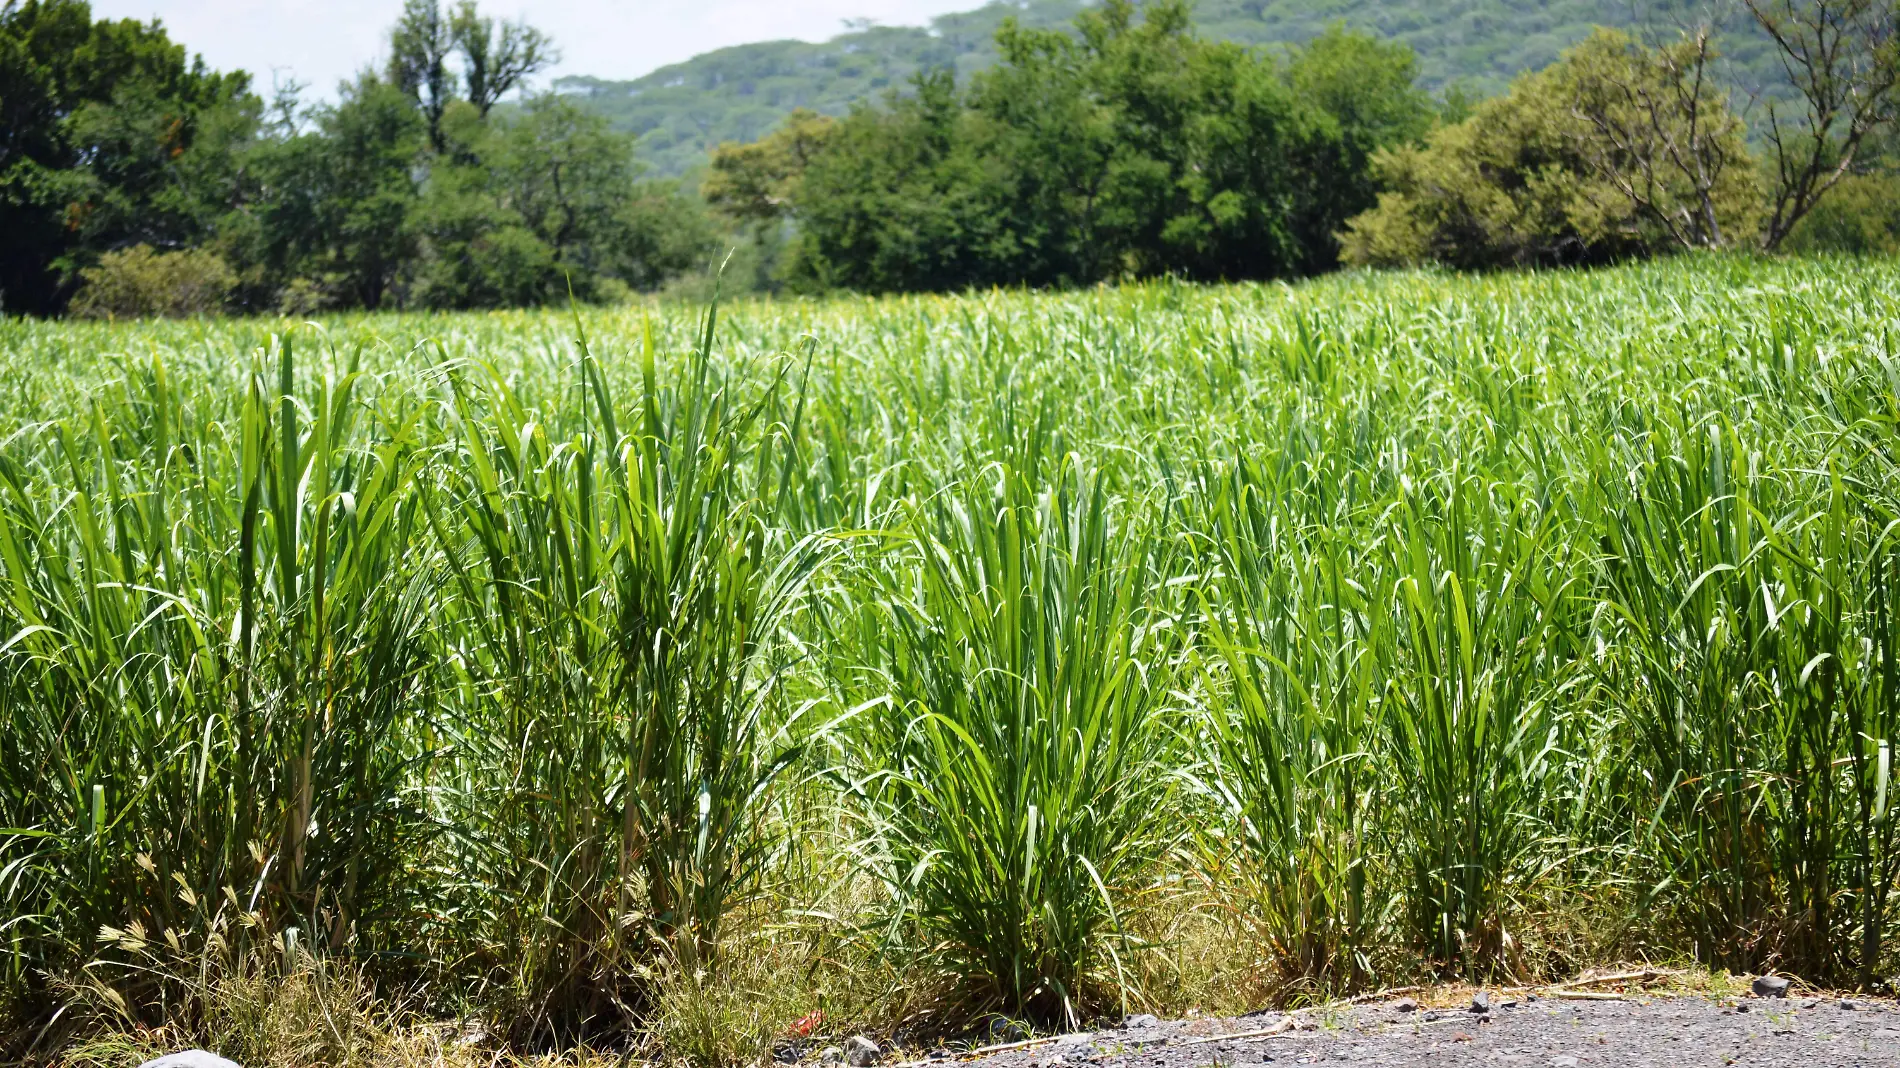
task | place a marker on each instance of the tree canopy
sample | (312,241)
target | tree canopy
(411,188)
(1133,147)
(108,136)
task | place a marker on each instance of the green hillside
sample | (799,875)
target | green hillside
(739,93)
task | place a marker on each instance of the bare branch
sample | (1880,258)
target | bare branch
(1840,56)
(497,58)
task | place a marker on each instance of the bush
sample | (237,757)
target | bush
(140,281)
(1569,169)
(1862,214)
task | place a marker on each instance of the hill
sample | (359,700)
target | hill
(739,93)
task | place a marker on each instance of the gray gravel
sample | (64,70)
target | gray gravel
(1646,1031)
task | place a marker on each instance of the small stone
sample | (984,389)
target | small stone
(1848,1006)
(1430,1016)
(1769,986)
(785,1052)
(1480,1002)
(190,1058)
(1510,1004)
(1141,1019)
(1741,1006)
(1406,1005)
(831,1055)
(1810,1003)
(1563,1062)
(861,1052)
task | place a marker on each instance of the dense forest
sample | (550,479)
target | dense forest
(178,188)
(1125,144)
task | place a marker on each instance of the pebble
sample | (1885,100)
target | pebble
(831,1055)
(1769,986)
(1406,1005)
(1480,1002)
(1140,1019)
(861,1052)
(1563,1062)
(1848,1006)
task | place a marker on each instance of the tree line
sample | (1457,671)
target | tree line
(1133,147)
(134,180)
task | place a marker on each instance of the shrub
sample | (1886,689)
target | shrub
(1612,152)
(141,281)
(1862,214)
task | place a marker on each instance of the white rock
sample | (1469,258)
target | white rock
(191,1058)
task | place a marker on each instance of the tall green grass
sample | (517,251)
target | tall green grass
(532,666)
(1013,755)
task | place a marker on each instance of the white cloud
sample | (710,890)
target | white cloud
(320,42)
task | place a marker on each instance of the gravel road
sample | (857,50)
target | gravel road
(1536,1033)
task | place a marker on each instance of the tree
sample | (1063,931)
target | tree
(1656,127)
(337,209)
(101,123)
(898,199)
(1129,147)
(419,49)
(1843,59)
(757,181)
(523,210)
(1613,151)
(1860,215)
(1366,97)
(495,58)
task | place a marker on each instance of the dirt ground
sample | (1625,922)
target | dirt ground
(1528,1030)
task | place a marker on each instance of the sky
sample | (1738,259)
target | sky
(320,42)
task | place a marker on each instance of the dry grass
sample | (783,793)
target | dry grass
(310,1017)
